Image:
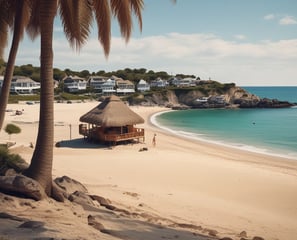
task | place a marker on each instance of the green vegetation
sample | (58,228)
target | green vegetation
(8,160)
(133,75)
(206,87)
(12,129)
(63,96)
(69,97)
(19,98)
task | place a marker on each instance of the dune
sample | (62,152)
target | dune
(179,188)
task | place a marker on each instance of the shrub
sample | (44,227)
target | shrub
(12,129)
(8,161)
(17,98)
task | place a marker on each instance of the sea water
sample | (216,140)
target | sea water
(271,131)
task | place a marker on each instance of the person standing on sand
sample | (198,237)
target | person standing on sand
(154,140)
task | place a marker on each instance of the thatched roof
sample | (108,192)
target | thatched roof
(112,112)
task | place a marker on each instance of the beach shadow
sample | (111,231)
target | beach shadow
(134,229)
(86,144)
(80,143)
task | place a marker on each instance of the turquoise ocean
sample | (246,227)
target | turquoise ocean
(270,131)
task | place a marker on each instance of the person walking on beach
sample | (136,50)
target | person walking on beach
(154,140)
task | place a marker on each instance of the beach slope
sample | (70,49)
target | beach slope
(179,188)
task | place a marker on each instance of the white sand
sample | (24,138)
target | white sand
(216,187)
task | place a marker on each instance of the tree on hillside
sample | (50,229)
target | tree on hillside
(76,18)
(58,74)
(100,73)
(27,70)
(84,73)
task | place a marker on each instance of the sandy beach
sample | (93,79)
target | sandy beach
(177,181)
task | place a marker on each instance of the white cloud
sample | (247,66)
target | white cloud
(284,20)
(288,20)
(240,36)
(204,55)
(269,17)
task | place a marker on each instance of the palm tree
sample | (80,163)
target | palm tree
(3,27)
(14,14)
(76,17)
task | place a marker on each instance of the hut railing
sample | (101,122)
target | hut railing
(137,133)
(97,133)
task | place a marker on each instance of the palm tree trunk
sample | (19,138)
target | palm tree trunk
(40,168)
(17,33)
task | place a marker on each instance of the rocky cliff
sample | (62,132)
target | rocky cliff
(208,95)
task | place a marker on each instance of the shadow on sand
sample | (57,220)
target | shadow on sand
(80,143)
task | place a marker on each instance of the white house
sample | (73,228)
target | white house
(185,82)
(125,86)
(174,81)
(108,87)
(96,83)
(159,83)
(188,82)
(74,84)
(23,85)
(143,86)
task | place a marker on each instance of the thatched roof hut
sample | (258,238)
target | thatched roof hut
(112,112)
(111,121)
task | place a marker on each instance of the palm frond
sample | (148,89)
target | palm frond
(33,28)
(3,38)
(3,26)
(14,14)
(137,7)
(8,9)
(22,16)
(76,17)
(103,19)
(122,11)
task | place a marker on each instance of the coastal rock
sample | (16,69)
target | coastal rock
(246,103)
(210,95)
(81,198)
(258,238)
(70,185)
(12,217)
(211,232)
(243,234)
(188,97)
(180,107)
(32,224)
(172,98)
(167,98)
(101,200)
(273,103)
(92,221)
(21,185)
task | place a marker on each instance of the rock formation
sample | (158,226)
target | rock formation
(209,95)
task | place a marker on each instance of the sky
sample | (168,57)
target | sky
(247,42)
